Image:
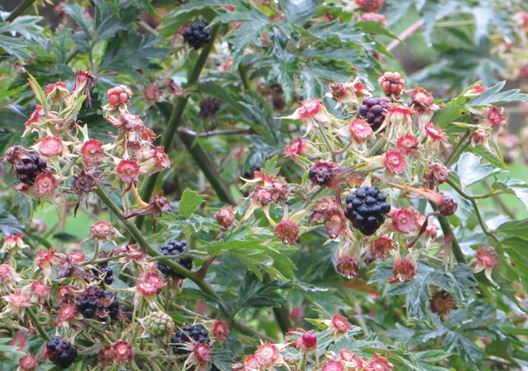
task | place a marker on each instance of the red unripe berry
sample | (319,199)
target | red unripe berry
(306,341)
(392,83)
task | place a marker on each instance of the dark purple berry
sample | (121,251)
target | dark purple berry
(97,303)
(175,248)
(197,35)
(189,334)
(374,110)
(61,352)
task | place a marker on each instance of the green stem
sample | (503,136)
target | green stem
(499,202)
(473,202)
(35,321)
(140,239)
(21,8)
(461,145)
(207,166)
(244,77)
(176,115)
(448,233)
(204,286)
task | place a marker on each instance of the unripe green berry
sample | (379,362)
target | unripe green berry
(158,324)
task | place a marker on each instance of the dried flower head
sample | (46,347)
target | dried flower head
(441,303)
(394,162)
(347,266)
(225,216)
(287,230)
(403,270)
(267,355)
(339,324)
(103,231)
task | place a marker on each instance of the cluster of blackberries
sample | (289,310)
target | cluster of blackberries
(104,272)
(374,110)
(209,107)
(197,35)
(189,334)
(61,352)
(27,168)
(97,303)
(175,248)
(366,208)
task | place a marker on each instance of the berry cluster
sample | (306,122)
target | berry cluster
(97,303)
(189,334)
(61,352)
(27,168)
(374,110)
(174,248)
(365,208)
(197,35)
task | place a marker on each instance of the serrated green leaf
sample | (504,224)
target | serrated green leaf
(189,202)
(470,169)
(493,95)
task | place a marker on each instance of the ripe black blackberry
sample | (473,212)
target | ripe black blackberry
(209,107)
(106,272)
(366,208)
(174,248)
(97,303)
(189,334)
(197,35)
(374,110)
(61,352)
(27,168)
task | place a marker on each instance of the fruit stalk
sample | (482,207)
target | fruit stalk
(176,115)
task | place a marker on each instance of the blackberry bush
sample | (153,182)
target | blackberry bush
(374,203)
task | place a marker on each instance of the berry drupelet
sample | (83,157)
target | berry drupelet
(366,208)
(197,35)
(374,110)
(174,248)
(189,334)
(61,352)
(97,303)
(27,169)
